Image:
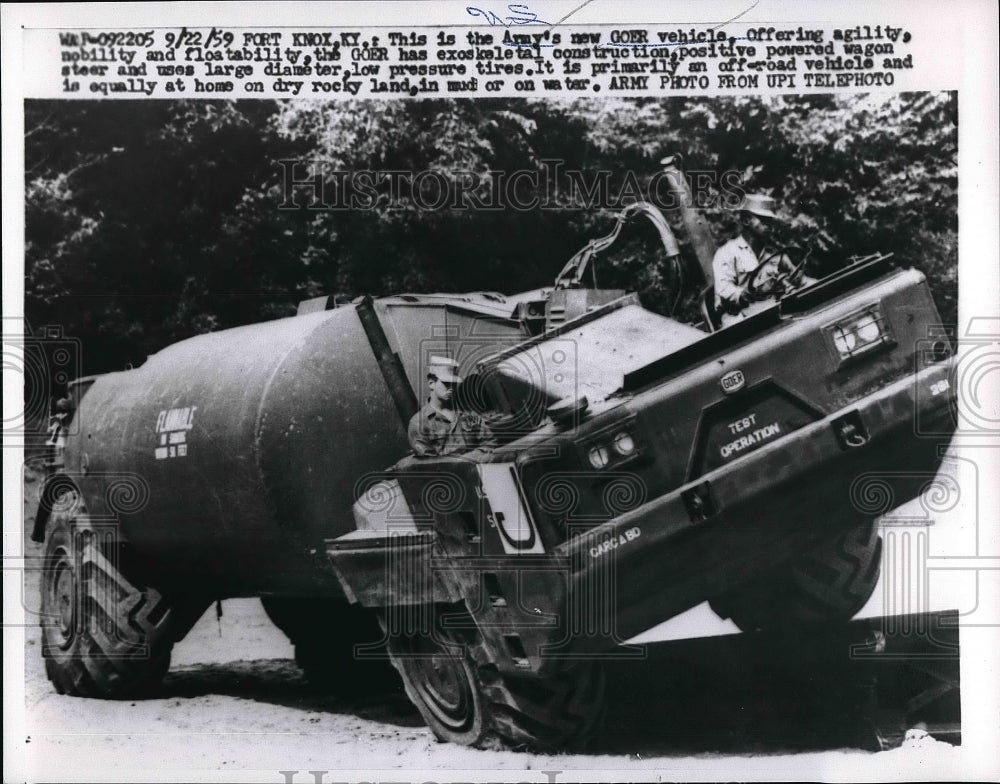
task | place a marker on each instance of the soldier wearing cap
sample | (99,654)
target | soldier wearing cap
(438,428)
(737,259)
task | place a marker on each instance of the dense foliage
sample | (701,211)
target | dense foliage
(149,221)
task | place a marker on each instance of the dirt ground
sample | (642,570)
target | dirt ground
(235,707)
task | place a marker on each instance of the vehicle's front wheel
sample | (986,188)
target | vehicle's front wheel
(827,584)
(459,691)
(102,635)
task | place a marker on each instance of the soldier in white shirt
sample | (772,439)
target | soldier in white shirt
(738,291)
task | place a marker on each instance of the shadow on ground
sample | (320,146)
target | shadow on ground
(739,694)
(280,682)
(770,694)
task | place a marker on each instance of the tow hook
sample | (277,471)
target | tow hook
(699,502)
(850,430)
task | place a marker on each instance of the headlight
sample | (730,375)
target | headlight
(844,341)
(612,447)
(868,329)
(598,456)
(862,331)
(624,444)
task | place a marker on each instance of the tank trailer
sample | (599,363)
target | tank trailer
(645,466)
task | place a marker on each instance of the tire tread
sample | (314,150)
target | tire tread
(117,651)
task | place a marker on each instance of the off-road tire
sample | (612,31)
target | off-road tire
(337,645)
(461,694)
(826,585)
(102,635)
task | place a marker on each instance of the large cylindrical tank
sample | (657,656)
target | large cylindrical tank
(229,457)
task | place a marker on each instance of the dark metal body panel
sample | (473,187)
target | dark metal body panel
(686,516)
(617,578)
(766,507)
(282,418)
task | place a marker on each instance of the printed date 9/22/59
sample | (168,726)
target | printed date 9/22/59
(184,37)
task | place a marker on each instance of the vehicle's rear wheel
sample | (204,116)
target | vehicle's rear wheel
(102,635)
(336,643)
(449,677)
(827,584)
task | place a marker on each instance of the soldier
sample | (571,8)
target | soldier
(736,261)
(438,428)
(56,442)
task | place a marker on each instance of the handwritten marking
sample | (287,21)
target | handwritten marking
(579,7)
(685,43)
(523,11)
(522,15)
(744,12)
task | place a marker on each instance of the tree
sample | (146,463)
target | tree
(148,221)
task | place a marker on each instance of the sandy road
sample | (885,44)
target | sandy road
(235,707)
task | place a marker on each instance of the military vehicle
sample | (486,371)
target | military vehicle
(645,466)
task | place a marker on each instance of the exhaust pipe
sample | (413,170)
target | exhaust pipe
(696,225)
